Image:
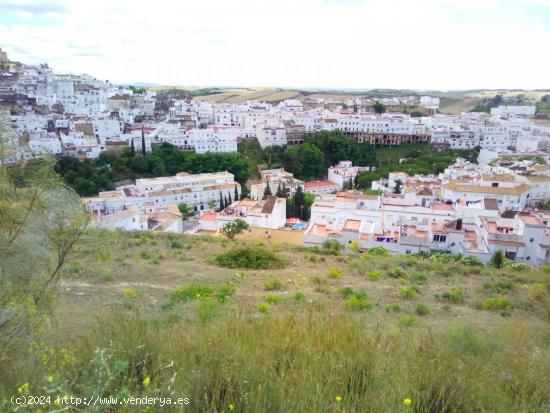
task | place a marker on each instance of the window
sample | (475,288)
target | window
(440,238)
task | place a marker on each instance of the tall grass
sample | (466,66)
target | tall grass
(310,361)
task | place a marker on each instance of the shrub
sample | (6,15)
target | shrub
(407,293)
(273,299)
(397,272)
(497,260)
(130,293)
(145,255)
(472,261)
(191,292)
(262,308)
(408,320)
(516,266)
(499,303)
(273,284)
(176,244)
(299,296)
(331,246)
(358,303)
(498,287)
(335,273)
(421,309)
(393,308)
(251,258)
(419,278)
(455,296)
(346,292)
(378,252)
(374,275)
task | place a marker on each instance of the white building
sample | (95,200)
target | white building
(344,173)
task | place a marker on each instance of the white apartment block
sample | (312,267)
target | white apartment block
(271,136)
(344,173)
(199,192)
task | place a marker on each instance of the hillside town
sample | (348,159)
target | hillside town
(469,209)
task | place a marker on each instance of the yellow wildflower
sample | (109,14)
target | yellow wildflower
(23,388)
(50,379)
(146,381)
(338,398)
(407,402)
(231,407)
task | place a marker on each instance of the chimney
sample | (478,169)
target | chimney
(459,224)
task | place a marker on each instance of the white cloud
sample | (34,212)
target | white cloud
(311,43)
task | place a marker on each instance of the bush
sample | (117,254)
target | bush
(499,303)
(191,292)
(176,244)
(346,292)
(419,278)
(274,284)
(331,246)
(397,272)
(250,258)
(516,266)
(421,309)
(472,261)
(498,287)
(335,273)
(374,275)
(273,299)
(263,308)
(358,303)
(393,308)
(455,296)
(378,252)
(407,293)
(299,296)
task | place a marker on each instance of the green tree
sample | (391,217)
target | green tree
(497,260)
(232,229)
(398,187)
(132,148)
(379,108)
(184,209)
(267,191)
(41,219)
(299,203)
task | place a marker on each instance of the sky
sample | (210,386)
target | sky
(332,44)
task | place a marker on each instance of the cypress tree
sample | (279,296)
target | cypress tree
(226,204)
(132,148)
(221,200)
(267,191)
(143,151)
(230,201)
(236,193)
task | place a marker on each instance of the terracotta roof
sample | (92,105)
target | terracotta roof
(490,204)
(318,184)
(269,205)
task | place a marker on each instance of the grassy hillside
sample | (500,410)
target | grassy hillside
(319,330)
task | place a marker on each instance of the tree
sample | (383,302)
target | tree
(308,201)
(232,229)
(379,108)
(497,260)
(41,221)
(225,203)
(132,148)
(229,197)
(211,204)
(299,202)
(398,187)
(279,193)
(184,209)
(267,191)
(143,148)
(236,197)
(222,205)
